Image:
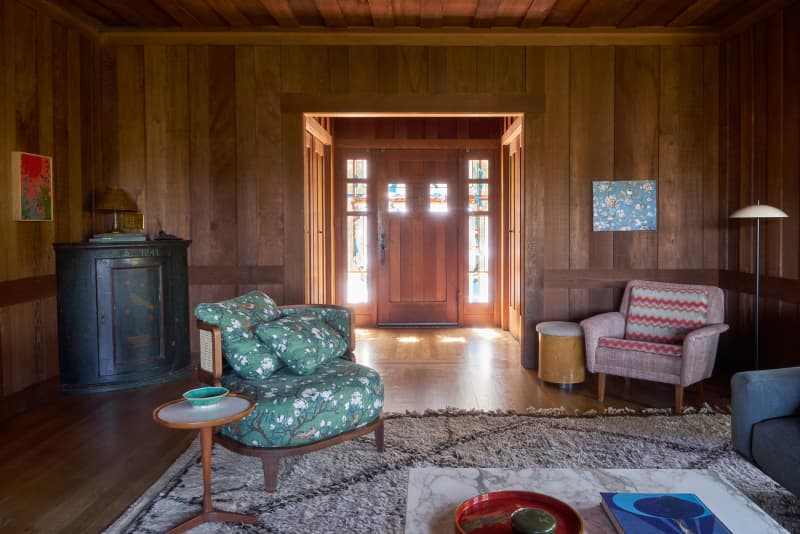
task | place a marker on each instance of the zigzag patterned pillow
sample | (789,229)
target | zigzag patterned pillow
(665,315)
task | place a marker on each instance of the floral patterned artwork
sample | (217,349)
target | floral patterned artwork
(32,187)
(624,206)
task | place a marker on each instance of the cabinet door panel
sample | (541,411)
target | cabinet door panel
(130,320)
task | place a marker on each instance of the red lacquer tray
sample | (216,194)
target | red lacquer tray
(490,513)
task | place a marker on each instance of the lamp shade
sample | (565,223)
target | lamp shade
(758,211)
(115,199)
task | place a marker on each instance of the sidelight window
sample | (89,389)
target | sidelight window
(478,230)
(358,223)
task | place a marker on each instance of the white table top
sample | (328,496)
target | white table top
(435,493)
(560,329)
(183,412)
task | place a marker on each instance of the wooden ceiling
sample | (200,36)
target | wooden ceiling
(384,14)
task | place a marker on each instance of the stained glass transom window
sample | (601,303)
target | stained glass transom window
(479,169)
(356,169)
(396,198)
(438,198)
(357,197)
(478,197)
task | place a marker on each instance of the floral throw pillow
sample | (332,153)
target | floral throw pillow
(237,319)
(303,343)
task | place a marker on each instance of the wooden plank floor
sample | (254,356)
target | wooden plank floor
(74,464)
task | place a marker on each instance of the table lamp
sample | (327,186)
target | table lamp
(758,211)
(116,200)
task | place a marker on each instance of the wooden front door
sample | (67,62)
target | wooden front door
(417,237)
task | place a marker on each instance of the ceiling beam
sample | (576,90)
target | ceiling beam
(694,12)
(178,12)
(603,13)
(431,13)
(485,13)
(565,11)
(74,18)
(537,12)
(418,37)
(768,7)
(381,11)
(654,13)
(228,11)
(331,13)
(200,10)
(281,12)
(140,13)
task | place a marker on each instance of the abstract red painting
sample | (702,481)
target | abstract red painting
(32,187)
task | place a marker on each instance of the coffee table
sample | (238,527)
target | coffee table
(180,414)
(435,493)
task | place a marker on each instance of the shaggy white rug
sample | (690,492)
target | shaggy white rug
(352,488)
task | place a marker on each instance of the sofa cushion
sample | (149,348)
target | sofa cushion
(237,319)
(296,410)
(640,346)
(665,315)
(776,451)
(302,342)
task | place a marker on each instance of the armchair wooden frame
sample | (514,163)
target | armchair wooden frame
(210,370)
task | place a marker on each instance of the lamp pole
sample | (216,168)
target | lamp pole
(757,211)
(758,286)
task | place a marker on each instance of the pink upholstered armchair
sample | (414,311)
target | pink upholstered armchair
(662,332)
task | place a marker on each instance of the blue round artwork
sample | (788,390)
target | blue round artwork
(669,507)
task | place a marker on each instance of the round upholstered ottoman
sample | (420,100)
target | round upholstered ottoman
(561,352)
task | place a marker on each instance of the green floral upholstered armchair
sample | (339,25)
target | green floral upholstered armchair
(297,362)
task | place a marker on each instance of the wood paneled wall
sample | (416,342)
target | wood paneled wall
(760,160)
(47,80)
(209,141)
(622,113)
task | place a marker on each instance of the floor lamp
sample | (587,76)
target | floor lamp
(758,211)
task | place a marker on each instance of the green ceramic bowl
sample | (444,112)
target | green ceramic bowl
(205,396)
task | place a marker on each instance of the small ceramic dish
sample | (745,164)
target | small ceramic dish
(205,396)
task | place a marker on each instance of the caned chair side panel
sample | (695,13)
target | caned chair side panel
(210,349)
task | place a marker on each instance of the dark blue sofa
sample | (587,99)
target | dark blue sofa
(765,422)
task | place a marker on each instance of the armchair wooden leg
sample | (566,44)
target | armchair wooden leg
(678,399)
(379,437)
(270,473)
(601,387)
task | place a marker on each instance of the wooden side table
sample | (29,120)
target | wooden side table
(180,414)
(562,357)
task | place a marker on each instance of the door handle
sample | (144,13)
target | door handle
(382,247)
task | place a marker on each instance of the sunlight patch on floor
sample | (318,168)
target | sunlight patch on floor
(451,339)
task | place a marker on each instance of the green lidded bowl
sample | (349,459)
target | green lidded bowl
(532,521)
(205,396)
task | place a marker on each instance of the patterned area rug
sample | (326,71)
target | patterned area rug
(352,488)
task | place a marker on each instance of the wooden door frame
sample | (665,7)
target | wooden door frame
(513,134)
(317,183)
(294,106)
